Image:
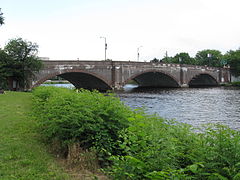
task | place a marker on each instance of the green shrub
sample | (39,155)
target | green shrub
(155,142)
(160,149)
(91,119)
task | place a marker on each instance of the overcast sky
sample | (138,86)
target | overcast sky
(71,29)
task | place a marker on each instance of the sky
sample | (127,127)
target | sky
(71,29)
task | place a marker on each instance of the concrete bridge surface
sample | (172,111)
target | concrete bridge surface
(104,75)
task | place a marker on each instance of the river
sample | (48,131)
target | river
(194,106)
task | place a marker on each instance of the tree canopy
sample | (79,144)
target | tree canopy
(233,59)
(1,18)
(18,60)
(209,57)
(183,58)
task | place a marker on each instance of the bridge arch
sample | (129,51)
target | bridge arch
(79,78)
(203,80)
(154,78)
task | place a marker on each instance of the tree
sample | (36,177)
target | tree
(19,61)
(5,69)
(167,59)
(1,18)
(183,58)
(155,60)
(209,57)
(233,59)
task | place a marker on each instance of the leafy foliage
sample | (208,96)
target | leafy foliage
(233,59)
(1,18)
(167,59)
(183,58)
(19,61)
(6,69)
(155,60)
(209,57)
(159,149)
(89,118)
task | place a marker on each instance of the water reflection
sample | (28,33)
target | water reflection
(60,85)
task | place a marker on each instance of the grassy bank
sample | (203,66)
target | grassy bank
(22,156)
(234,84)
(237,84)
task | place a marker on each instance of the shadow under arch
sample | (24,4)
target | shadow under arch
(153,78)
(80,79)
(203,80)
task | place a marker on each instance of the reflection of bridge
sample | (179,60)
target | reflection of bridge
(104,75)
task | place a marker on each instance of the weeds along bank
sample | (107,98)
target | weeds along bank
(98,131)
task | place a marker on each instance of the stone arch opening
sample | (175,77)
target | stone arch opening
(203,80)
(80,80)
(155,79)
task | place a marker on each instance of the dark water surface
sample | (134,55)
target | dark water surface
(195,106)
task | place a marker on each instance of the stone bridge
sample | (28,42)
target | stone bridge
(104,75)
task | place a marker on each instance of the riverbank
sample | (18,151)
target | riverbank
(145,146)
(233,84)
(22,156)
(236,84)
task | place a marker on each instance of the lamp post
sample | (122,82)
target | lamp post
(105,46)
(180,60)
(138,53)
(209,57)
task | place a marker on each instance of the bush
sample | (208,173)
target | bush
(91,119)
(160,149)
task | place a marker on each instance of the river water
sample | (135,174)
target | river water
(194,106)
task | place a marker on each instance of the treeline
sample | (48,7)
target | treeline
(207,57)
(88,127)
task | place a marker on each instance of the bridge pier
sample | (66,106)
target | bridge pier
(184,85)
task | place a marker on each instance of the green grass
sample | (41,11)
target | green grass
(237,83)
(22,156)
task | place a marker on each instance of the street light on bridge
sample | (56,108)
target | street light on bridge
(138,53)
(209,56)
(105,46)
